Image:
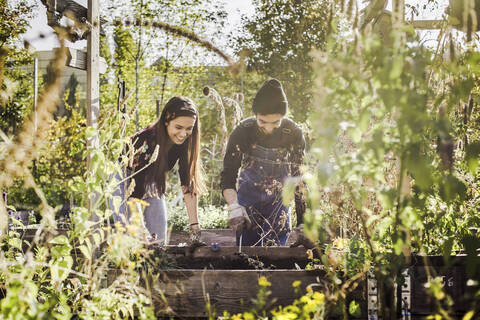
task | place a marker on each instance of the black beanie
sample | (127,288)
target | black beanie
(270,99)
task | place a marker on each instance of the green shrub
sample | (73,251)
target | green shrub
(210,217)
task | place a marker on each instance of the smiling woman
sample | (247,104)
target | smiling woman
(180,128)
(174,137)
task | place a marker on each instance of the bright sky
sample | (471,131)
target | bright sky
(235,9)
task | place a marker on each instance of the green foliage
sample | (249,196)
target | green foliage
(60,161)
(210,217)
(278,40)
(63,159)
(311,305)
(14,17)
(393,168)
(124,58)
(16,103)
(16,82)
(398,140)
(146,57)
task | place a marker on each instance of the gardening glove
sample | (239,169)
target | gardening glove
(297,238)
(194,240)
(238,218)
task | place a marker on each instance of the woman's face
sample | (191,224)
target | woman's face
(179,129)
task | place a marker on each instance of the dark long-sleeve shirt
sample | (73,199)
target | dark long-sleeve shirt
(288,137)
(144,145)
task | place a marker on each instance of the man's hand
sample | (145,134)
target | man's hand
(297,238)
(238,218)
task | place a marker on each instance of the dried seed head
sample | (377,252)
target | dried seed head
(131,188)
(206,91)
(239,97)
(154,155)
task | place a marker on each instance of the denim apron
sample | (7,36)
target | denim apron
(260,183)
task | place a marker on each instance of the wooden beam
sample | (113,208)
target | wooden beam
(223,237)
(93,86)
(426,24)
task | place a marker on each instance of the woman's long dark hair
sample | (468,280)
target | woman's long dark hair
(156,174)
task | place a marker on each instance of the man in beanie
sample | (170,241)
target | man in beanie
(267,148)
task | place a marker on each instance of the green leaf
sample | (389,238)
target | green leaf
(387,198)
(397,68)
(452,188)
(60,251)
(408,28)
(96,239)
(469,315)
(86,253)
(356,134)
(90,132)
(354,309)
(398,246)
(472,154)
(447,248)
(89,244)
(15,243)
(61,239)
(60,268)
(288,191)
(54,273)
(364,120)
(420,167)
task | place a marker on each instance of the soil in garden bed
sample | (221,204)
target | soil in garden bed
(229,258)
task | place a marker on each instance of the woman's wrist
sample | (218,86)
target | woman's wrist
(194,225)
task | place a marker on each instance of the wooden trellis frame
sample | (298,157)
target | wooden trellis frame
(87,24)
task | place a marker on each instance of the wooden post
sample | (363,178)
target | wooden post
(93,83)
(35,91)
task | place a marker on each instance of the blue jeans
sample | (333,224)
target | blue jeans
(155,214)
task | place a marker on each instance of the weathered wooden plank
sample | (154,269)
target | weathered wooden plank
(224,237)
(426,24)
(298,253)
(439,261)
(93,90)
(228,257)
(454,279)
(187,291)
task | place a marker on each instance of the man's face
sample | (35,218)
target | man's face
(269,122)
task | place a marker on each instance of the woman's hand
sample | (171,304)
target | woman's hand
(194,237)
